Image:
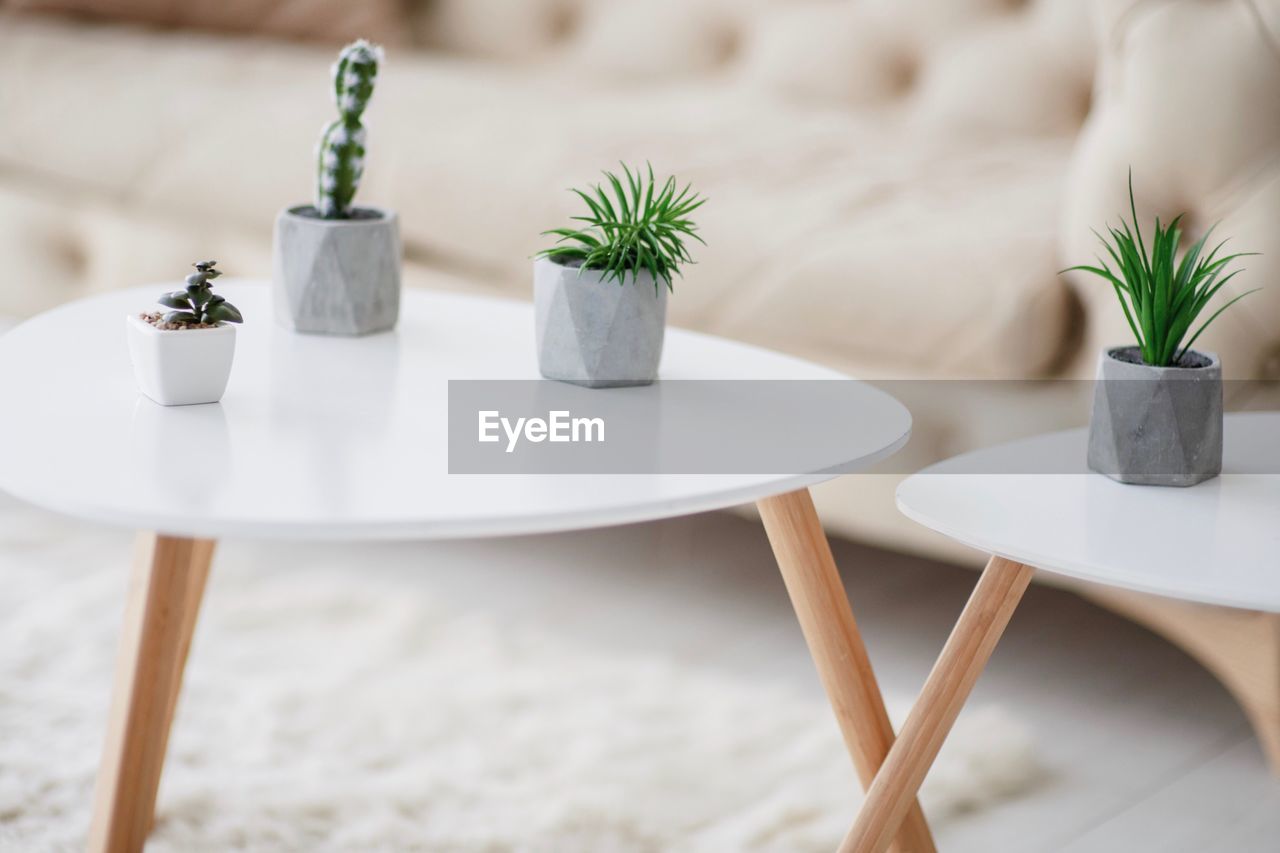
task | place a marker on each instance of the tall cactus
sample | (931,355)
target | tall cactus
(341,150)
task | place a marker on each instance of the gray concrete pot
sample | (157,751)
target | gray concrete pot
(596,333)
(1156,426)
(337,276)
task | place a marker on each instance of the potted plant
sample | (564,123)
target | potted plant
(336,268)
(1157,406)
(600,293)
(183,356)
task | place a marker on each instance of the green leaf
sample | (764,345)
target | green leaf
(1212,317)
(606,205)
(199,295)
(180,317)
(177,299)
(572,234)
(563,254)
(223,312)
(633,184)
(596,210)
(620,194)
(1133,210)
(648,196)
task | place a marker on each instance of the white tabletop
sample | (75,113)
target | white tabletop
(1217,542)
(339,438)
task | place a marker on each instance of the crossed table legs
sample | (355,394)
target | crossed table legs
(168,583)
(892,771)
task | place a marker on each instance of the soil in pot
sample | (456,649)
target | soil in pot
(1190,360)
(156,319)
(309,211)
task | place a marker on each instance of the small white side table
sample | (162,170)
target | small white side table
(1217,543)
(345,439)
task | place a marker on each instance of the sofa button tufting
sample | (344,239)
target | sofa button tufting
(70,253)
(562,22)
(727,44)
(904,74)
(1269,368)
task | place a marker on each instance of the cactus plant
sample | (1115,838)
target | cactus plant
(198,304)
(341,149)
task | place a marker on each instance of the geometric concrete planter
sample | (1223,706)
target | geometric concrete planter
(337,276)
(1157,426)
(181,367)
(596,333)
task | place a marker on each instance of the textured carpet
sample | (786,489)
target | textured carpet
(327,708)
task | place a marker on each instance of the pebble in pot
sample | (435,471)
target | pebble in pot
(600,294)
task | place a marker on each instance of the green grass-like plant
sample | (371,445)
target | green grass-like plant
(1161,296)
(198,303)
(636,225)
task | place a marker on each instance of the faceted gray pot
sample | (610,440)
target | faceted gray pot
(337,276)
(1157,426)
(597,333)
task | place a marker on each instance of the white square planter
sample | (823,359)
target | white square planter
(181,367)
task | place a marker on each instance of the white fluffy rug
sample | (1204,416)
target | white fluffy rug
(329,709)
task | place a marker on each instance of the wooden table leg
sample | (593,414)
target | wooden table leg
(164,598)
(963,657)
(818,595)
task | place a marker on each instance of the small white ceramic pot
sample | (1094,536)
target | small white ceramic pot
(337,276)
(181,367)
(601,334)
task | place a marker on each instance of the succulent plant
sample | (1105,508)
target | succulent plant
(1160,295)
(198,303)
(642,227)
(341,149)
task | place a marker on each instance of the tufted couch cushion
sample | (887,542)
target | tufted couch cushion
(1187,97)
(996,65)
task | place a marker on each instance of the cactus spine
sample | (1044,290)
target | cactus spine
(341,150)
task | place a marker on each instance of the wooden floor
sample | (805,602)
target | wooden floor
(1145,751)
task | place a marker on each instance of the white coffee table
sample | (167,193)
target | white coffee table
(1217,543)
(340,438)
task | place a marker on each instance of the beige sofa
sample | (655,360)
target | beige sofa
(894,183)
